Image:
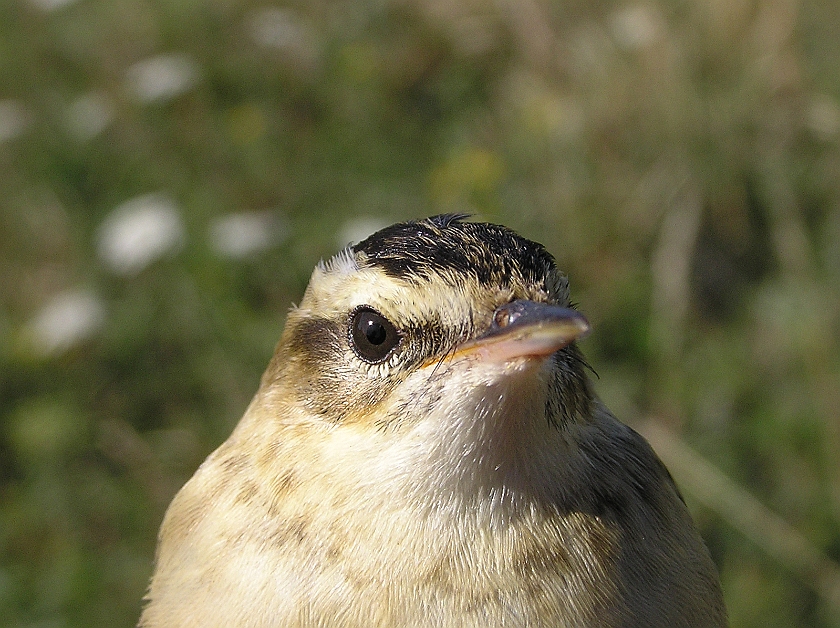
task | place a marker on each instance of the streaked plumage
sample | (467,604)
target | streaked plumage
(425,449)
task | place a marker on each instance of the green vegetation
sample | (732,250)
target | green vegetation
(171,171)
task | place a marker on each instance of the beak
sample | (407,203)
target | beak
(527,329)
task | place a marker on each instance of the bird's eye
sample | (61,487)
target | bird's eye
(372,335)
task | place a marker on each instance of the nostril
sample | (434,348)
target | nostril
(507,314)
(502,317)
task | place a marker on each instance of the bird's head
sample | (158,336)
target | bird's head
(457,336)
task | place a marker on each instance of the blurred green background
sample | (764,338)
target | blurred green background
(171,171)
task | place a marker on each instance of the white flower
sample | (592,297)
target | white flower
(823,116)
(89,115)
(66,320)
(13,119)
(51,5)
(357,229)
(162,78)
(239,235)
(635,27)
(138,232)
(283,30)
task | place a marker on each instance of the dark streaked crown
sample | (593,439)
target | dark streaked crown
(445,245)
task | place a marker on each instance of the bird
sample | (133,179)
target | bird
(426,449)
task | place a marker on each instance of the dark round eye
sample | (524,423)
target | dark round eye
(372,335)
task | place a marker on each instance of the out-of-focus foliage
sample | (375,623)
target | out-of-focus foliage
(171,170)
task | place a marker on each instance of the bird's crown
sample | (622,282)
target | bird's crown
(447,248)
